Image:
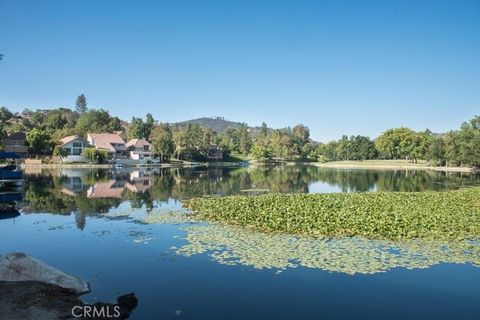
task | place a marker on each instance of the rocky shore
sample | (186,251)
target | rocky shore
(30,289)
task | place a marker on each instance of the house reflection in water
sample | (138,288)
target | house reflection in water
(139,181)
(109,189)
(113,186)
(72,182)
(8,201)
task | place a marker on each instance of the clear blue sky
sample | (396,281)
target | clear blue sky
(337,66)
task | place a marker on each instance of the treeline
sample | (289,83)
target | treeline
(45,128)
(456,148)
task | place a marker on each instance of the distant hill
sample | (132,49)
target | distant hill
(219,125)
(216,124)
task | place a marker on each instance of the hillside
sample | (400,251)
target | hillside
(216,124)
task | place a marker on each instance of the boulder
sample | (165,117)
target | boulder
(21,267)
(31,300)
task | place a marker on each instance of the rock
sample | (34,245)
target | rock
(30,300)
(21,267)
(27,300)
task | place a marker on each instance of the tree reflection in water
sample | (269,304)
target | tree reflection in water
(95,192)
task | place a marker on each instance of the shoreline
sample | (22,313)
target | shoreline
(370,164)
(392,167)
(110,165)
(367,164)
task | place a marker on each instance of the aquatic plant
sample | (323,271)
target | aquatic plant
(232,245)
(376,215)
(235,245)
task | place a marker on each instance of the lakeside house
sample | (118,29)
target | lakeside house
(215,153)
(139,149)
(111,142)
(73,146)
(16,143)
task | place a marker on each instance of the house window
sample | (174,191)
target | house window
(77,144)
(146,148)
(77,151)
(68,150)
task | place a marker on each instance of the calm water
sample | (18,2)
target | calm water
(125,231)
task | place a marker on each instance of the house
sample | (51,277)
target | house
(16,143)
(111,142)
(73,146)
(139,149)
(215,153)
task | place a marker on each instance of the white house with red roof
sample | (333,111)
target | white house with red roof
(73,146)
(139,149)
(111,142)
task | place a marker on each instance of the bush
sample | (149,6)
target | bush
(94,155)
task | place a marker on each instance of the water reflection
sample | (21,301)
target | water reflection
(8,202)
(230,245)
(95,192)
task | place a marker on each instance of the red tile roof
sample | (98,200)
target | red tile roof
(138,143)
(105,140)
(68,139)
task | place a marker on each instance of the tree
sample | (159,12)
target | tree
(282,145)
(94,155)
(81,104)
(263,131)
(38,141)
(327,152)
(362,148)
(96,121)
(149,125)
(55,121)
(436,152)
(5,116)
(245,141)
(301,134)
(136,129)
(462,147)
(206,142)
(59,152)
(162,141)
(180,142)
(261,150)
(139,129)
(402,143)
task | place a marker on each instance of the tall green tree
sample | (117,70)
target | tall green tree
(263,131)
(5,116)
(301,134)
(245,141)
(437,153)
(81,104)
(402,143)
(96,121)
(38,142)
(162,141)
(261,150)
(136,129)
(149,125)
(180,142)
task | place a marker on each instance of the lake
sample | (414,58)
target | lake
(125,231)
